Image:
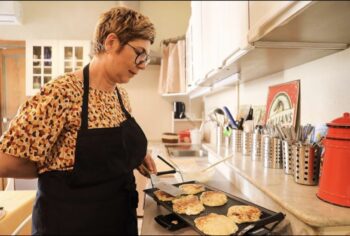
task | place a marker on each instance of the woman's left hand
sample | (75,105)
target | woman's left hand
(149,164)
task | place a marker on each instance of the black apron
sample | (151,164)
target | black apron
(99,196)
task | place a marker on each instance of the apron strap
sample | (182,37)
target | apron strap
(85,105)
(126,113)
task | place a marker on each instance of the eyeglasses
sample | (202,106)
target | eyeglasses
(142,57)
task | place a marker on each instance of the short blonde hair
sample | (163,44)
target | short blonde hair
(126,23)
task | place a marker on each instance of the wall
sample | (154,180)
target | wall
(76,20)
(324,84)
(152,112)
(56,20)
(170,18)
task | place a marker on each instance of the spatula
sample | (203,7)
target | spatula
(161,185)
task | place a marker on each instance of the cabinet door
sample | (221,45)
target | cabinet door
(73,55)
(196,18)
(41,64)
(233,27)
(189,59)
(261,10)
(212,18)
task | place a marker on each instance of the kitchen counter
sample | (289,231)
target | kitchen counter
(307,213)
(270,188)
(17,205)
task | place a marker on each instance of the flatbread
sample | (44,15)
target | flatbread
(214,224)
(189,205)
(213,198)
(192,188)
(163,196)
(243,213)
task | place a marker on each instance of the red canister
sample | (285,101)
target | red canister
(335,179)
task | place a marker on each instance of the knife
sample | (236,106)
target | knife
(161,185)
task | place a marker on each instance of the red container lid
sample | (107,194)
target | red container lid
(343,121)
(339,128)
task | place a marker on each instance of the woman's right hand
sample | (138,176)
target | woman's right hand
(15,167)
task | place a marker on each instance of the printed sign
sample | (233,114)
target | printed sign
(282,104)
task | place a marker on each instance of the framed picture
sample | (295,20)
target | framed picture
(282,104)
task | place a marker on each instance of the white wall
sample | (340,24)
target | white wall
(151,112)
(170,18)
(56,20)
(324,88)
(75,20)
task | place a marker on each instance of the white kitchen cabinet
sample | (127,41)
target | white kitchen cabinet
(210,36)
(73,55)
(189,58)
(46,59)
(196,23)
(233,28)
(224,28)
(41,64)
(265,16)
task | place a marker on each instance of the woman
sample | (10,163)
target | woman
(78,137)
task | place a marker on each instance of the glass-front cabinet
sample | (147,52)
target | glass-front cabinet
(46,59)
(41,65)
(73,55)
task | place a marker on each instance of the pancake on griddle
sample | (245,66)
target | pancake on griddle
(213,198)
(243,213)
(214,224)
(189,205)
(192,188)
(163,196)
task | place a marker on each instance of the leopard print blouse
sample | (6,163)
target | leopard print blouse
(46,126)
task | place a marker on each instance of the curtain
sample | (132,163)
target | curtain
(172,77)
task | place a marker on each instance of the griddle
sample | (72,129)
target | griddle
(267,217)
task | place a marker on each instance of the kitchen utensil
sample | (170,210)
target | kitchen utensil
(270,216)
(334,182)
(256,146)
(272,153)
(247,143)
(236,140)
(216,163)
(306,164)
(220,116)
(230,117)
(288,163)
(179,110)
(166,187)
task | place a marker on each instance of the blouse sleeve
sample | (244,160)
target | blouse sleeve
(38,123)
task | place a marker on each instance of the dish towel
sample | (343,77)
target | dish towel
(172,77)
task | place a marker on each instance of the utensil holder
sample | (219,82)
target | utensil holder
(236,140)
(288,163)
(256,147)
(247,143)
(272,152)
(306,164)
(219,136)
